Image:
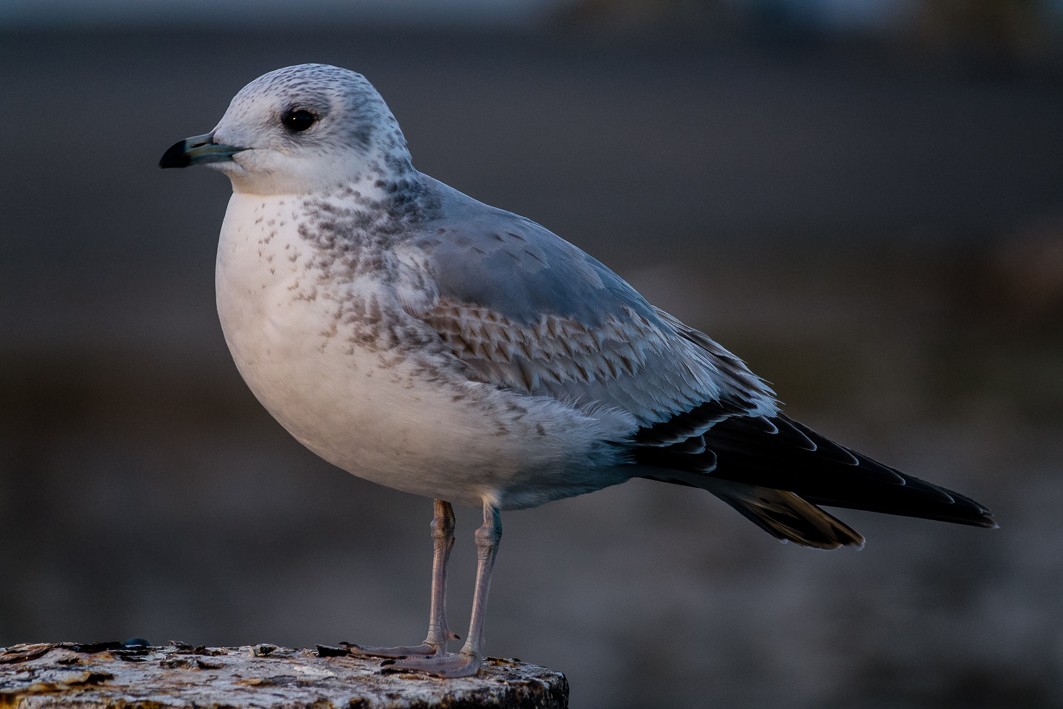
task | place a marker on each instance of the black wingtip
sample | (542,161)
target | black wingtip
(782,454)
(984,520)
(175,156)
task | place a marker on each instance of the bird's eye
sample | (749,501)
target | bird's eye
(298,119)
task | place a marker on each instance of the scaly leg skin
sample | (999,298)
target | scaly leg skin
(438,632)
(467,662)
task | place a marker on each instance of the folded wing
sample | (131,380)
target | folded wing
(533,313)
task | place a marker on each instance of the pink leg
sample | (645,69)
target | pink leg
(438,632)
(467,662)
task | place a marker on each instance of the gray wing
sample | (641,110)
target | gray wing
(524,309)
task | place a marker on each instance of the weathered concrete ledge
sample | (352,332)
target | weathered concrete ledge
(180,675)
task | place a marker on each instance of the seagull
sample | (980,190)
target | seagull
(423,340)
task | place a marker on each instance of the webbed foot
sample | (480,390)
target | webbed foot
(447,665)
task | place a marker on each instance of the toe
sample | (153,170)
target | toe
(449,665)
(398,652)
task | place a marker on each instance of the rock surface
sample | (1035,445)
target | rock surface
(180,675)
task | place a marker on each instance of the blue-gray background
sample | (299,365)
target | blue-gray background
(867,207)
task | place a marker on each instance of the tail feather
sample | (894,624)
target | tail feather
(788,517)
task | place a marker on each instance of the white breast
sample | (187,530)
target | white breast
(302,336)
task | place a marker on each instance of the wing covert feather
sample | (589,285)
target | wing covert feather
(532,312)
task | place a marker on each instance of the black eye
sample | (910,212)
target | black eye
(297,119)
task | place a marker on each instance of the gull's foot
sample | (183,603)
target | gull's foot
(446,665)
(396,653)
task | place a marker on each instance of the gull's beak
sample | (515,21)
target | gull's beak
(197,150)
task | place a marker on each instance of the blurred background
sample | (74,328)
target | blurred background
(863,199)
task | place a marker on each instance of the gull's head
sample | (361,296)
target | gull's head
(302,129)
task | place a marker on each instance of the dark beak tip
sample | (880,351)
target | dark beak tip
(175,156)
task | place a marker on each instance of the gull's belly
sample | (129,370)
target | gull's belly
(404,417)
(353,410)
